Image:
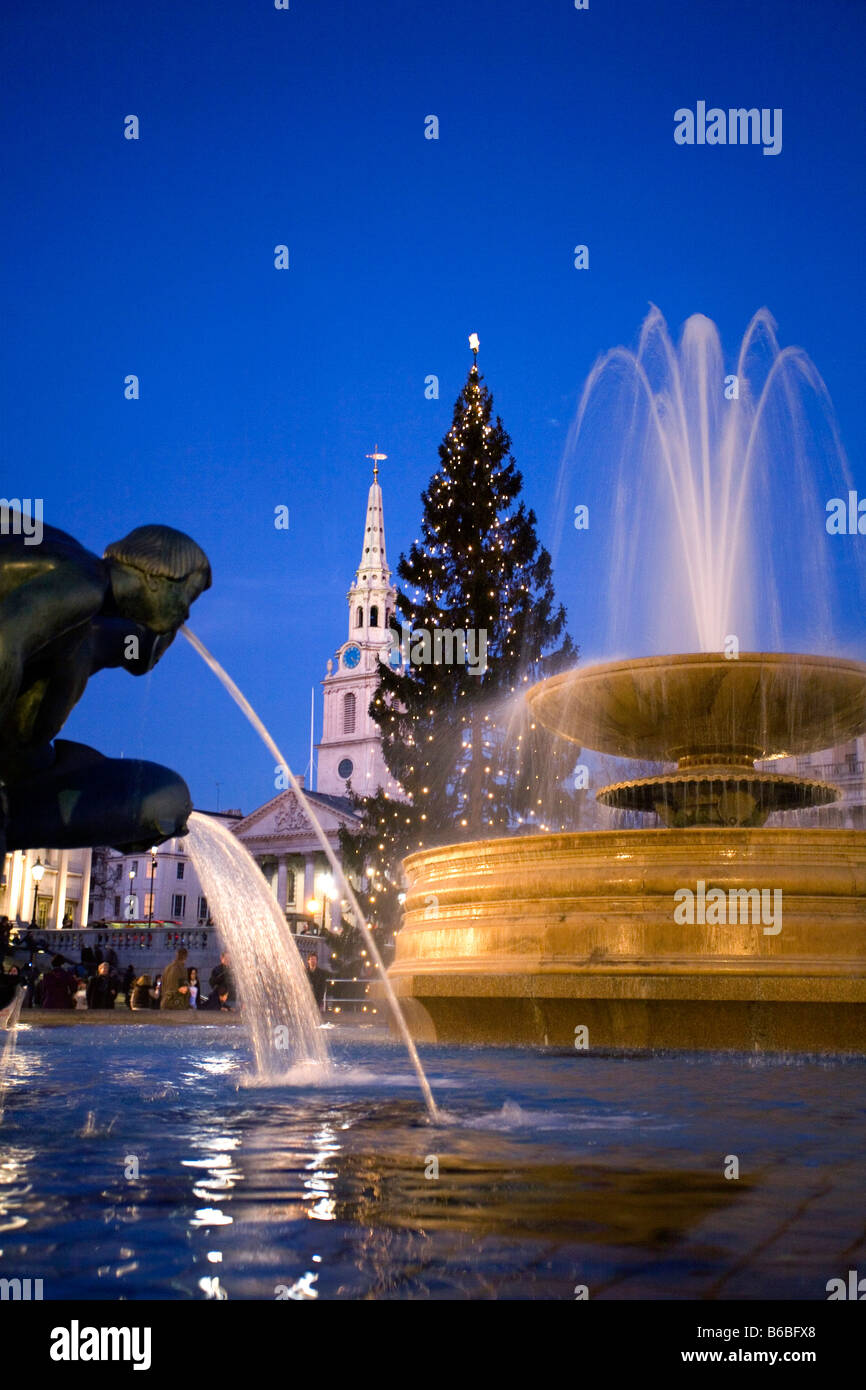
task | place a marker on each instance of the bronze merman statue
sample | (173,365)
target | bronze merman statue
(65,614)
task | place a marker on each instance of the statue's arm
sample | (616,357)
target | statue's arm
(38,613)
(64,596)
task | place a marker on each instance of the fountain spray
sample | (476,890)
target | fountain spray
(243,704)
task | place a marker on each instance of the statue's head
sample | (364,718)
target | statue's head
(156,574)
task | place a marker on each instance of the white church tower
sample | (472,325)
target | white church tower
(351,750)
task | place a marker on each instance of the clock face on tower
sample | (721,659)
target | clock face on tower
(351,657)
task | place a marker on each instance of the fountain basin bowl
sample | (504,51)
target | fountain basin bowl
(714,796)
(702,709)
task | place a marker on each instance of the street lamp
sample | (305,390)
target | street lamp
(36,874)
(329,894)
(153,850)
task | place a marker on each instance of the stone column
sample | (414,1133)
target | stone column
(292,867)
(281,882)
(16,872)
(60,881)
(25,896)
(309,878)
(84,905)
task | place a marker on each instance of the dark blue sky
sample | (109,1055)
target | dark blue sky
(261,387)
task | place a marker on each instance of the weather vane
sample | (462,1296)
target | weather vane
(376,457)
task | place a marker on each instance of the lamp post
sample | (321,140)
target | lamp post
(153,850)
(36,874)
(329,893)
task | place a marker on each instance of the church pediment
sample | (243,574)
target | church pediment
(284,818)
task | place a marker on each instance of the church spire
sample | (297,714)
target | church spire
(351,746)
(373,568)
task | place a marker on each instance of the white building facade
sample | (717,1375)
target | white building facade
(283,842)
(151,887)
(845,767)
(59,897)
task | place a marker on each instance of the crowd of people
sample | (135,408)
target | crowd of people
(96,982)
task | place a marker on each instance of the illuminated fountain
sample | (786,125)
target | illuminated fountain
(716,930)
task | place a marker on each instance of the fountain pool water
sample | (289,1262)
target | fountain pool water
(552,1170)
(278,1006)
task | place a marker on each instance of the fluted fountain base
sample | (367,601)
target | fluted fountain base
(527,940)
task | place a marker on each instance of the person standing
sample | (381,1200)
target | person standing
(318,979)
(28,977)
(128,980)
(9,983)
(142,993)
(175,983)
(57,987)
(221,981)
(101,989)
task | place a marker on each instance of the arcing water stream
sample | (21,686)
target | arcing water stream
(346,888)
(279,1009)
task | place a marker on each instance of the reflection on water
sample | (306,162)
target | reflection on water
(548,1171)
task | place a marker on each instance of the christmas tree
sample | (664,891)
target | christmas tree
(456,734)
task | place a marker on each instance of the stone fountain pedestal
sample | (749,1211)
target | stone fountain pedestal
(526,940)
